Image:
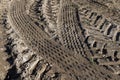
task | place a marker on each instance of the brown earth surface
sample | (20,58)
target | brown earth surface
(60,39)
(4,65)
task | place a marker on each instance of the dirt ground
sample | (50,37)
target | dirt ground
(108,8)
(4,65)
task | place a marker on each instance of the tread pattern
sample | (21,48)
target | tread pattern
(40,42)
(102,36)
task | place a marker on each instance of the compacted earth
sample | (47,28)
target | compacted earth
(59,39)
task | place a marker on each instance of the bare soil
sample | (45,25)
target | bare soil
(4,65)
(109,9)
